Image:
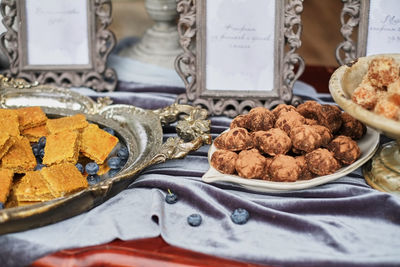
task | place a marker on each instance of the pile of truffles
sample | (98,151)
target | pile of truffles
(379,90)
(288,143)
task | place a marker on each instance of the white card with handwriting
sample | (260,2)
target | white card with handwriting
(57,32)
(240,45)
(383,27)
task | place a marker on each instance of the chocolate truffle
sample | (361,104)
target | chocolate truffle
(272,142)
(352,127)
(325,133)
(322,162)
(305,173)
(309,109)
(330,117)
(260,119)
(305,138)
(284,168)
(240,121)
(224,161)
(344,149)
(289,120)
(282,108)
(219,141)
(238,139)
(251,164)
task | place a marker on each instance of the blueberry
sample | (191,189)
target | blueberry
(1,205)
(194,219)
(92,168)
(123,153)
(113,172)
(109,130)
(42,142)
(114,162)
(171,198)
(93,179)
(79,166)
(35,150)
(240,216)
(39,167)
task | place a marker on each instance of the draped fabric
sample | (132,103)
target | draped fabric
(342,223)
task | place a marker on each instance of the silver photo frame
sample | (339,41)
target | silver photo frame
(380,29)
(39,51)
(287,66)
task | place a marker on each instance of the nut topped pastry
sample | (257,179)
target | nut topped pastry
(75,122)
(19,157)
(63,179)
(61,147)
(30,117)
(382,71)
(96,143)
(9,122)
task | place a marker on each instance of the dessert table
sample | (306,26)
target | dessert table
(342,223)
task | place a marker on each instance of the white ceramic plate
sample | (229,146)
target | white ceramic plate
(368,146)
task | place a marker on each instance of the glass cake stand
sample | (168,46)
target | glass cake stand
(382,172)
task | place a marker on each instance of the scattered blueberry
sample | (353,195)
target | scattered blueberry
(42,142)
(93,179)
(109,130)
(123,153)
(1,205)
(92,168)
(39,166)
(194,219)
(114,162)
(240,216)
(35,149)
(113,172)
(171,198)
(79,166)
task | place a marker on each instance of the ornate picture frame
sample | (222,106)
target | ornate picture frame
(356,15)
(87,69)
(191,64)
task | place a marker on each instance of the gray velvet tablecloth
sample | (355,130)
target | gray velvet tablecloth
(342,223)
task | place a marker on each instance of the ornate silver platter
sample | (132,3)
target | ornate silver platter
(138,129)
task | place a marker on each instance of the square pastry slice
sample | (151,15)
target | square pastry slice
(34,134)
(75,122)
(6,178)
(30,117)
(63,179)
(96,143)
(19,157)
(61,147)
(6,141)
(9,122)
(32,188)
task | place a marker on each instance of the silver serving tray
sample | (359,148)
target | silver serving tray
(140,130)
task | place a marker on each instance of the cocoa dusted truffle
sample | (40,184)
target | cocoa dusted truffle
(310,109)
(284,168)
(240,121)
(260,119)
(305,173)
(251,164)
(272,142)
(325,133)
(265,175)
(282,108)
(219,141)
(238,139)
(224,161)
(305,138)
(352,127)
(289,120)
(330,117)
(322,162)
(344,149)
